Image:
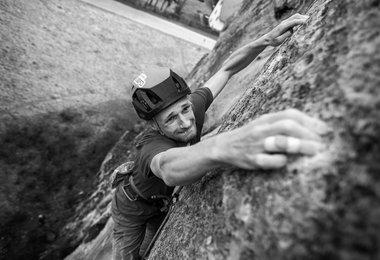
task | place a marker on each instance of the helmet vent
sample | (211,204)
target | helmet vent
(177,85)
(147,107)
(142,101)
(152,97)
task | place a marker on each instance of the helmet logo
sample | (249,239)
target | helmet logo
(140,80)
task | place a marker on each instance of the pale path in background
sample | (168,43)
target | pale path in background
(154,22)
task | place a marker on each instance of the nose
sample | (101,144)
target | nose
(184,122)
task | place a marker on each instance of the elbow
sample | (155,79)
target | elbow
(168,177)
(169,180)
(165,173)
(229,70)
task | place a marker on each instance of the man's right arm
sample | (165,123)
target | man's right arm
(185,165)
(261,144)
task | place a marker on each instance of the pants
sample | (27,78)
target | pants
(133,231)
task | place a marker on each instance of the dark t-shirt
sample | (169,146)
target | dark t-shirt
(154,143)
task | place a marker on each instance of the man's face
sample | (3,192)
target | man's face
(177,121)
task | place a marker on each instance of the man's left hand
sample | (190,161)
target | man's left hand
(285,29)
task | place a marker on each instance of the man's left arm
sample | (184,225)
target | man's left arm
(242,57)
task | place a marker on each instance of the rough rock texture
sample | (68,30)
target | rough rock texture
(323,207)
(64,71)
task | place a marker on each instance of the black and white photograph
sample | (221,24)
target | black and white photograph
(189,130)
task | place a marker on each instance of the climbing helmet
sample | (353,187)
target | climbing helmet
(155,90)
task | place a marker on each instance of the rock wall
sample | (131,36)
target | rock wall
(324,207)
(321,207)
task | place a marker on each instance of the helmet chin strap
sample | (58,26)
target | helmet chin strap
(158,126)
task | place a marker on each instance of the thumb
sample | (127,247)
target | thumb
(282,37)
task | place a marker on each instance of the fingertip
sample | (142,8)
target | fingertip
(312,148)
(322,147)
(322,128)
(315,137)
(283,160)
(271,161)
(317,126)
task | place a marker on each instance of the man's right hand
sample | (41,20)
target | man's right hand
(265,142)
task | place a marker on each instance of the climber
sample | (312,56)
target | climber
(171,153)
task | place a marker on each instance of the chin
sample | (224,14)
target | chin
(187,136)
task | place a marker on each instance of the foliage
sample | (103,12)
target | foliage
(49,163)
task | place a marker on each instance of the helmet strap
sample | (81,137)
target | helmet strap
(158,127)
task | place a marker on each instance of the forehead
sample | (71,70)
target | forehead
(175,108)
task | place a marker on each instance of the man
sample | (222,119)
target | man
(171,154)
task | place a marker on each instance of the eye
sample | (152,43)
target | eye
(170,120)
(186,109)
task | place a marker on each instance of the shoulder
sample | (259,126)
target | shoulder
(151,137)
(202,92)
(201,97)
(150,145)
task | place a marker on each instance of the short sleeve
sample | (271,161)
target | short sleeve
(157,144)
(202,99)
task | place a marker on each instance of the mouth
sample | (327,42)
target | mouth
(186,131)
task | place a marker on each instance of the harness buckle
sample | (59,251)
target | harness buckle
(126,193)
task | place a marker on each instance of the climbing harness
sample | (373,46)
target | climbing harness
(122,176)
(133,193)
(172,201)
(121,172)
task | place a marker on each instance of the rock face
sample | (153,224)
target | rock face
(321,207)
(324,207)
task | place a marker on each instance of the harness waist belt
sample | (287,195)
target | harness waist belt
(129,192)
(133,193)
(135,189)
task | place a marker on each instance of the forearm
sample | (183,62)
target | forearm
(247,147)
(185,165)
(237,61)
(245,55)
(242,57)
